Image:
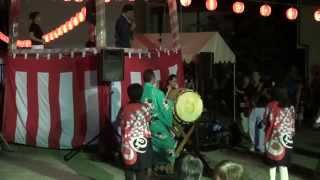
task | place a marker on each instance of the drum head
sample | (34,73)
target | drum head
(189,106)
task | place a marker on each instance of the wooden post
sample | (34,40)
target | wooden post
(101,35)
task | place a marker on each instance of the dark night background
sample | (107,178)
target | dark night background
(4,20)
(260,43)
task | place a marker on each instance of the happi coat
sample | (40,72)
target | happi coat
(163,141)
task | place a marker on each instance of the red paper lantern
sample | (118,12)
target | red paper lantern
(51,36)
(84,11)
(211,5)
(292,13)
(107,1)
(185,3)
(69,25)
(28,43)
(46,38)
(75,21)
(65,28)
(265,10)
(238,7)
(317,15)
(18,43)
(4,38)
(80,17)
(55,35)
(60,31)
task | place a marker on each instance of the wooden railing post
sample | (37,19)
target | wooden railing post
(101,35)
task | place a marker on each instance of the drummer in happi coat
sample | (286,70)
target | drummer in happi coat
(163,141)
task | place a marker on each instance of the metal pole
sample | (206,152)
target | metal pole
(234,92)
(101,35)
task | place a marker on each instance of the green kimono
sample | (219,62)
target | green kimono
(163,142)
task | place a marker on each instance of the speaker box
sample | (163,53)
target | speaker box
(205,65)
(204,68)
(111,65)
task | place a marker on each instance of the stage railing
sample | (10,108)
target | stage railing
(72,51)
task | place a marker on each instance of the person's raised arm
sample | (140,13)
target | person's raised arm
(32,37)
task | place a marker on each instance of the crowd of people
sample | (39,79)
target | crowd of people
(269,111)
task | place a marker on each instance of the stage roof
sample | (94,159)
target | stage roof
(192,44)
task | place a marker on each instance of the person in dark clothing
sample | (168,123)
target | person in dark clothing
(35,31)
(125,26)
(171,84)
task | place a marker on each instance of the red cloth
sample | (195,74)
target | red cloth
(161,64)
(53,103)
(279,131)
(135,119)
(272,111)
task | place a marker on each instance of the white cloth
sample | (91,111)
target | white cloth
(37,46)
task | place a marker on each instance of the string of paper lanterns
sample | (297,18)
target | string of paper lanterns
(66,27)
(54,34)
(19,43)
(238,7)
(23,43)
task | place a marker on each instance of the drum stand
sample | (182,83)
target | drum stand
(195,148)
(5,143)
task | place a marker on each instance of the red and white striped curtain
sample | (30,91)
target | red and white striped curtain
(163,67)
(59,104)
(54,103)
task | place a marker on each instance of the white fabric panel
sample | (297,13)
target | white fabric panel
(135,77)
(44,110)
(22,107)
(115,100)
(173,69)
(157,74)
(92,104)
(191,44)
(66,108)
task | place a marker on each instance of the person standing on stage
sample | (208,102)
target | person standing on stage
(125,26)
(163,141)
(171,84)
(136,136)
(35,31)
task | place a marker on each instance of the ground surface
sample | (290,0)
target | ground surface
(42,164)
